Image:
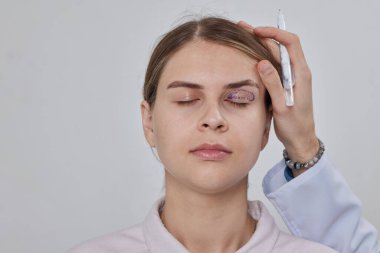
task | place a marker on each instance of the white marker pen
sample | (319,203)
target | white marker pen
(287,78)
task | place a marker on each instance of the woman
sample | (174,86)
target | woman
(207,113)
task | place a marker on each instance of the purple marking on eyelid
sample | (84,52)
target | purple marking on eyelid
(249,96)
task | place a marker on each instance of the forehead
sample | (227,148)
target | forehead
(209,64)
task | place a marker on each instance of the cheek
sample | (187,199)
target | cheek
(248,131)
(170,128)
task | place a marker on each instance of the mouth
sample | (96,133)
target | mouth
(211,152)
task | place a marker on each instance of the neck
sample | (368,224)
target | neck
(208,222)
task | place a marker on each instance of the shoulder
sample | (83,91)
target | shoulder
(290,243)
(279,241)
(129,240)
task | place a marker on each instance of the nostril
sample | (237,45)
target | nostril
(221,127)
(213,124)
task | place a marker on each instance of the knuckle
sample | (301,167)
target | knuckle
(281,110)
(294,38)
(269,80)
(306,73)
(309,76)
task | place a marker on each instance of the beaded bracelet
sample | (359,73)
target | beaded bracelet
(298,165)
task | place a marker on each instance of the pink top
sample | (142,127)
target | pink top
(151,236)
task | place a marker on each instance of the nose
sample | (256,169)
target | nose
(213,119)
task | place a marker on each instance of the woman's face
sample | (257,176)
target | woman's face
(208,94)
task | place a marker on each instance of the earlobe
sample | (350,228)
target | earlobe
(147,122)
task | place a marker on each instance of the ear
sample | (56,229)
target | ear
(147,122)
(267,127)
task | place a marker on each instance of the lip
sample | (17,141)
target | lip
(211,152)
(207,146)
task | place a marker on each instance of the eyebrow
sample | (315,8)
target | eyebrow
(235,85)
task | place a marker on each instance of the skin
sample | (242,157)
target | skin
(294,126)
(212,195)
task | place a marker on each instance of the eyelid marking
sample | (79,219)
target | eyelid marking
(240,96)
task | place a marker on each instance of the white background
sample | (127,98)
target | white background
(74,163)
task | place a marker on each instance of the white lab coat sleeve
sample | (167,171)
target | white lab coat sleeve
(318,205)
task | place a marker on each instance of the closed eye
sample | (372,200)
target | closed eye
(240,97)
(186,102)
(239,104)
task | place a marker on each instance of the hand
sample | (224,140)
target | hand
(294,126)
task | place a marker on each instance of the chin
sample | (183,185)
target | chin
(208,177)
(215,184)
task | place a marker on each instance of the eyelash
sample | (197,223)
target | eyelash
(239,104)
(189,102)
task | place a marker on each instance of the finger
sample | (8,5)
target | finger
(272,83)
(290,40)
(297,58)
(269,43)
(272,46)
(246,26)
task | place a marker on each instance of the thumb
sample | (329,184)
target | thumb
(272,83)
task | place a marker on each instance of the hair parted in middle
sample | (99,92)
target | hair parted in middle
(211,29)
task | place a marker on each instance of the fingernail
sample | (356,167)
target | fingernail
(246,24)
(265,68)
